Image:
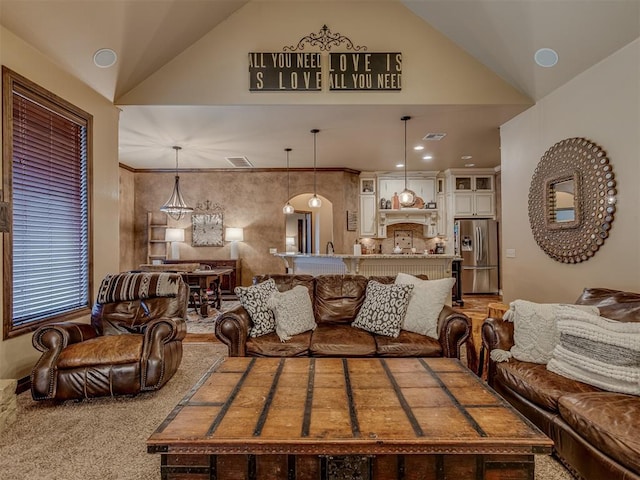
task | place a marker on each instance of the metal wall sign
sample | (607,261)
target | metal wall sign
(294,70)
(284,71)
(365,71)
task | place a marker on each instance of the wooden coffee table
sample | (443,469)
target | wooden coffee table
(334,418)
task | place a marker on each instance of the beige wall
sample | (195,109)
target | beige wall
(603,105)
(252,200)
(213,71)
(17,355)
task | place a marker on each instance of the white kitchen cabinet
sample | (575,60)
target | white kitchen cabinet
(484,204)
(368,224)
(473,204)
(425,188)
(388,186)
(471,193)
(442,215)
(472,183)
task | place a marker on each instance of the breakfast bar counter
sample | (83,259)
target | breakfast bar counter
(433,265)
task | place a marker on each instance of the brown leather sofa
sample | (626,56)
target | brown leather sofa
(130,347)
(336,300)
(596,433)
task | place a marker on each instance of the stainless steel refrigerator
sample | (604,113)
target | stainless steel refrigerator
(477,244)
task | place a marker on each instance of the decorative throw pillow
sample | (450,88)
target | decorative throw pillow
(384,308)
(254,300)
(598,351)
(293,312)
(425,303)
(534,330)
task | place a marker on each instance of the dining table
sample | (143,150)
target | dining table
(207,283)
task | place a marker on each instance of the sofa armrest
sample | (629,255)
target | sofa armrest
(232,329)
(496,334)
(156,351)
(454,328)
(165,330)
(57,336)
(50,340)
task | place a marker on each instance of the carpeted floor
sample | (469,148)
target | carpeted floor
(102,439)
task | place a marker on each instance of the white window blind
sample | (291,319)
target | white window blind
(50,206)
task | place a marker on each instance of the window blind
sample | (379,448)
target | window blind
(50,210)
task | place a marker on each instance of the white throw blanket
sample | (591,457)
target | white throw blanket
(598,351)
(535,334)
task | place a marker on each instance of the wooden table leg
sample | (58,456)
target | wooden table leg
(217,293)
(204,298)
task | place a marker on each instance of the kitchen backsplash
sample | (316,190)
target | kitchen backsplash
(406,235)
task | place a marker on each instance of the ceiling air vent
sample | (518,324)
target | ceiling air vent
(434,136)
(239,162)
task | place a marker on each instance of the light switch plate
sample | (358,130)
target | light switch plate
(273,250)
(510,253)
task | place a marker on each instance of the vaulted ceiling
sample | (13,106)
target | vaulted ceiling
(148,34)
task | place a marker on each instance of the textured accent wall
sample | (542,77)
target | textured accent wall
(252,200)
(127,220)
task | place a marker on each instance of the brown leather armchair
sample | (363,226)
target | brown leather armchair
(133,344)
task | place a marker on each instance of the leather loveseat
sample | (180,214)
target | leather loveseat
(595,432)
(336,300)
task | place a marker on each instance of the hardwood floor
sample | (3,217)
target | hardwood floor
(477,304)
(476,307)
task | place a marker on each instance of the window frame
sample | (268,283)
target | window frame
(12,81)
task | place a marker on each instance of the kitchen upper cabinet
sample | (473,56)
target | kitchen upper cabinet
(442,215)
(388,186)
(473,204)
(484,204)
(473,183)
(472,193)
(368,224)
(425,188)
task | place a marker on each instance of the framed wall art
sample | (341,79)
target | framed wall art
(352,221)
(207,230)
(367,186)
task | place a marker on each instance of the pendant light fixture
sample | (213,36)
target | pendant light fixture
(288,208)
(176,207)
(314,202)
(407,197)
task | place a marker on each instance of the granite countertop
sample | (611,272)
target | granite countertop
(416,256)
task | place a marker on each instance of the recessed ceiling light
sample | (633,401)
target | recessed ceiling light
(400,165)
(466,157)
(469,164)
(418,147)
(427,157)
(546,57)
(105,58)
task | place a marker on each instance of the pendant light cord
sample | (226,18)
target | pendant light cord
(288,174)
(404,119)
(177,149)
(315,133)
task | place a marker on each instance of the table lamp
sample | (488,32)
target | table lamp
(234,235)
(174,235)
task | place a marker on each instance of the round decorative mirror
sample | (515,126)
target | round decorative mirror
(572,200)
